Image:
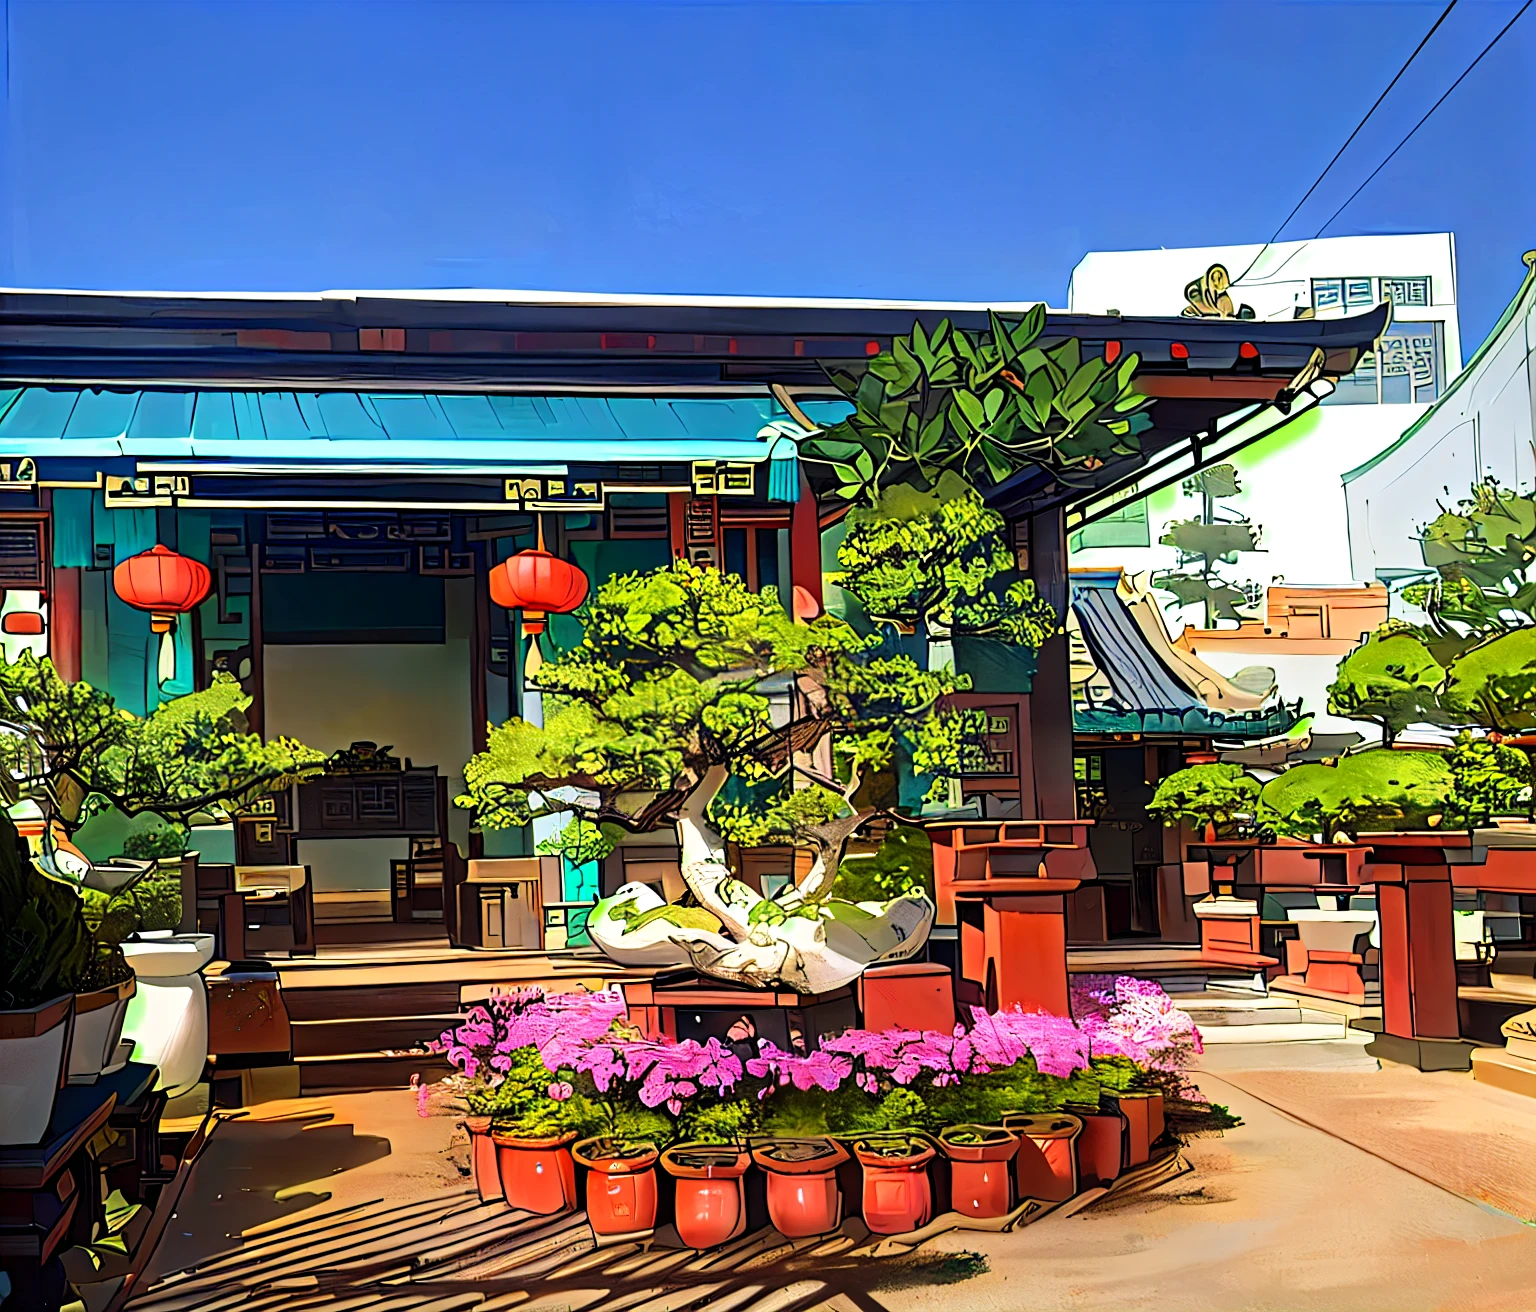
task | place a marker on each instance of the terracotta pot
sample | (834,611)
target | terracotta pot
(1135,1108)
(621,1190)
(537,1175)
(482,1156)
(981,1174)
(709,1206)
(1099,1146)
(98,1029)
(1046,1165)
(1156,1120)
(34,1052)
(898,1197)
(803,1194)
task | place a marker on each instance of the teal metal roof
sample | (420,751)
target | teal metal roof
(461,427)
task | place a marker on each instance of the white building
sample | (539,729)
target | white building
(1292,482)
(1483,426)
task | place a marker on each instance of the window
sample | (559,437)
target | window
(1125,526)
(1088,769)
(1407,367)
(1406,291)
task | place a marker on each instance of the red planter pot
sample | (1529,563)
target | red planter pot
(803,1194)
(981,1174)
(621,1191)
(709,1208)
(1046,1165)
(482,1157)
(1156,1120)
(537,1175)
(898,1197)
(1099,1146)
(1136,1110)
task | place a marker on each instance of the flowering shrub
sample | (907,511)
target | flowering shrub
(539,1064)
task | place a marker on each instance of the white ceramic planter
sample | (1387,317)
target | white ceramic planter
(1331,931)
(34,1045)
(168,1017)
(99,1020)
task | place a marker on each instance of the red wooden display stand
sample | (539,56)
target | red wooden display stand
(995,879)
(917,995)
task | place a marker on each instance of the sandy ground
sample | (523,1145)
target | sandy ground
(1348,1188)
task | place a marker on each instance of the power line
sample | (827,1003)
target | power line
(1339,153)
(1499,37)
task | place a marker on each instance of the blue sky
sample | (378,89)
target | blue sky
(946,148)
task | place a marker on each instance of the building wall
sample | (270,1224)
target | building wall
(1484,427)
(1292,481)
(412,697)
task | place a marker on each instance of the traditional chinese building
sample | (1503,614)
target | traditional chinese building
(350,468)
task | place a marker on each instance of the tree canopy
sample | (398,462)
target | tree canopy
(1377,789)
(982,406)
(76,751)
(941,559)
(1392,679)
(683,669)
(1221,796)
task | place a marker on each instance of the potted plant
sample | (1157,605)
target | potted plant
(1100,1146)
(1046,1164)
(718,768)
(710,1208)
(621,1185)
(898,1197)
(804,1197)
(105,989)
(981,1174)
(45,950)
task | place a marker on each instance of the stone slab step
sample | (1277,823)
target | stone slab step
(356,1071)
(1303,1032)
(334,1038)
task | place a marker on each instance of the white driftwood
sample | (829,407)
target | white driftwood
(797,952)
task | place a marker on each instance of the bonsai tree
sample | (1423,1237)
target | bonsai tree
(1216,537)
(686,682)
(981,406)
(1375,789)
(75,753)
(1219,801)
(1488,779)
(1393,679)
(941,559)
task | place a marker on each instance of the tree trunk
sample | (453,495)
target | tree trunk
(708,878)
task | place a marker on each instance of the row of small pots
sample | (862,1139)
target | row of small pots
(991,1168)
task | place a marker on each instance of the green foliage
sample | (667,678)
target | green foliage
(941,560)
(79,753)
(1377,789)
(1219,795)
(673,914)
(1392,679)
(903,864)
(673,676)
(1494,684)
(45,946)
(152,842)
(158,900)
(980,406)
(788,813)
(1480,551)
(521,1104)
(1487,779)
(730,1121)
(581,841)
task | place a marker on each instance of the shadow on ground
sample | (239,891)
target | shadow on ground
(257,1171)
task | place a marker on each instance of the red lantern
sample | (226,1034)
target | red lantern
(167,585)
(537,584)
(163,583)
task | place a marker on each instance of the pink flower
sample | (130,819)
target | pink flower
(560,1091)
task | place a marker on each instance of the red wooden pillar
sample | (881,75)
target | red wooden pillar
(64,624)
(805,544)
(1418,949)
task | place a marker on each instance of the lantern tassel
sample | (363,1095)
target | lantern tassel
(167,667)
(534,661)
